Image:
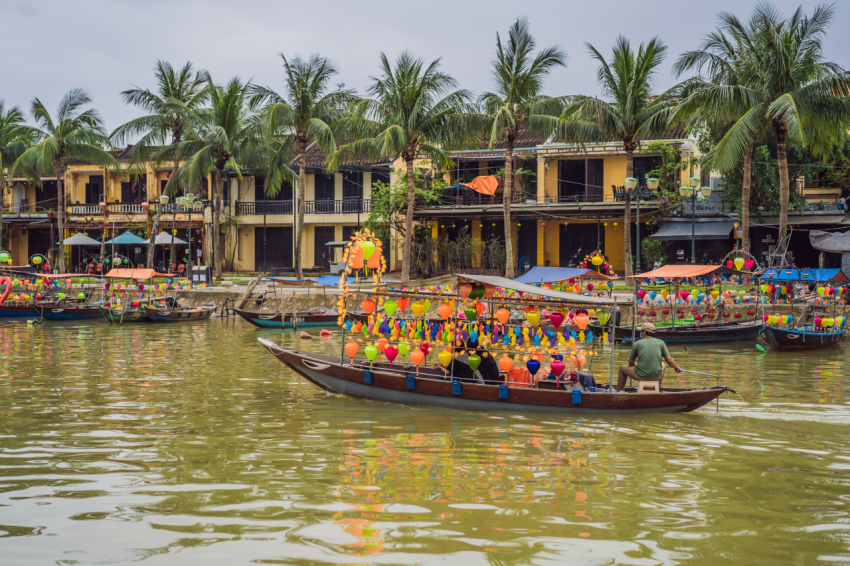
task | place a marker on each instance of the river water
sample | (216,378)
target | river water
(189,443)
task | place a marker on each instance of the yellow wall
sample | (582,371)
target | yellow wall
(552,243)
(614,245)
(613,173)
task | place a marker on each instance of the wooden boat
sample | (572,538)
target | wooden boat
(121,315)
(160,314)
(694,333)
(60,311)
(284,320)
(380,383)
(20,312)
(802,338)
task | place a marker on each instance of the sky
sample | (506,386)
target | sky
(105,47)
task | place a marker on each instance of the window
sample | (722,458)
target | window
(352,185)
(135,190)
(324,185)
(380,177)
(94,189)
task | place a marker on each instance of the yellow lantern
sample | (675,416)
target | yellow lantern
(596,260)
(418,308)
(533,317)
(739,263)
(445,358)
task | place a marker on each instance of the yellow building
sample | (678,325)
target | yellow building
(104,203)
(568,200)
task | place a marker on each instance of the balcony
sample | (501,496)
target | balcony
(270,207)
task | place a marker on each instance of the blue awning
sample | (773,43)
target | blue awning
(553,274)
(790,274)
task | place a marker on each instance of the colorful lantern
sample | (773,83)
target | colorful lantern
(390,307)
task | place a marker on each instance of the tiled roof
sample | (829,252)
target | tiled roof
(317,158)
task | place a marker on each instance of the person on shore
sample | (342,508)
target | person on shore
(650,353)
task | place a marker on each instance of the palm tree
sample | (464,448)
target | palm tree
(722,99)
(75,133)
(306,111)
(517,100)
(184,86)
(225,135)
(15,138)
(630,114)
(793,89)
(413,112)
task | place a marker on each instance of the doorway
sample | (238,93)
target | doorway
(278,247)
(321,253)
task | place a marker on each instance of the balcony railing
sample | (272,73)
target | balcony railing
(345,206)
(267,207)
(476,199)
(84,209)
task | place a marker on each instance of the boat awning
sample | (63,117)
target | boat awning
(833,275)
(702,230)
(540,292)
(135,273)
(679,271)
(554,274)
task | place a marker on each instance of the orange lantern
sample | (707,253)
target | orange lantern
(416,356)
(374,261)
(445,310)
(351,349)
(578,361)
(356,258)
(489,291)
(506,364)
(464,289)
(480,307)
(403,303)
(582,321)
(382,345)
(368,306)
(504,315)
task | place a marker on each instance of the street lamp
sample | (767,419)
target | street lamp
(694,195)
(638,193)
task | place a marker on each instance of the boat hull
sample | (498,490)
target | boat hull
(130,315)
(57,312)
(181,315)
(786,339)
(696,333)
(19,312)
(278,320)
(430,390)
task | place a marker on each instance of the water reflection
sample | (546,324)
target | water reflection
(189,442)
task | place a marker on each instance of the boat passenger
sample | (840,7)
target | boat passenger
(650,353)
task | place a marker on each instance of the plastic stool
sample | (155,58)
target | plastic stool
(649,387)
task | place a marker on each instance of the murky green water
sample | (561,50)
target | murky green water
(191,444)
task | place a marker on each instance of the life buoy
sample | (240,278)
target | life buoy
(8,283)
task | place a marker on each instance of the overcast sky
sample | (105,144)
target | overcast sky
(51,46)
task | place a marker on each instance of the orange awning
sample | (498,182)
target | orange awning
(679,271)
(137,273)
(486,185)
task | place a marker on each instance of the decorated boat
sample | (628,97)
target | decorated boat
(822,325)
(20,306)
(485,359)
(699,315)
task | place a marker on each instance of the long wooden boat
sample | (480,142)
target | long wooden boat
(203,312)
(60,311)
(802,338)
(20,312)
(121,315)
(284,320)
(379,383)
(694,333)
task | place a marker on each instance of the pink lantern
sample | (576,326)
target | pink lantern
(557,368)
(684,294)
(730,264)
(557,318)
(818,321)
(641,294)
(748,263)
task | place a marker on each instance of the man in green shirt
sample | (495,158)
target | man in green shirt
(650,353)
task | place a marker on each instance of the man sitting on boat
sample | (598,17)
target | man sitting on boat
(650,353)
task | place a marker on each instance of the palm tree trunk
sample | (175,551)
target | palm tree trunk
(407,251)
(302,194)
(745,197)
(219,191)
(60,211)
(627,217)
(506,205)
(784,185)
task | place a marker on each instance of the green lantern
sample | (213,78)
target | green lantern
(126,261)
(106,260)
(471,314)
(4,257)
(368,249)
(36,260)
(81,296)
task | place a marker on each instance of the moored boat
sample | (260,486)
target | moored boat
(285,320)
(120,315)
(801,338)
(159,314)
(63,311)
(20,312)
(694,333)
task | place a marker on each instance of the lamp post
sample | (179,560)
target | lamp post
(691,193)
(638,193)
